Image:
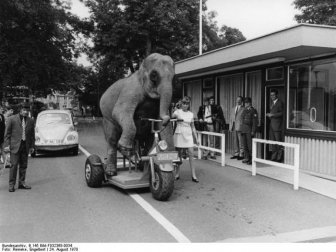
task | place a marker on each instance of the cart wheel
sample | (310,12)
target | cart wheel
(94,172)
(163,185)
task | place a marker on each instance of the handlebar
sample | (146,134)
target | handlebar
(160,120)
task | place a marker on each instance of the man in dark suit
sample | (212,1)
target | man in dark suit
(211,116)
(275,127)
(19,141)
(2,132)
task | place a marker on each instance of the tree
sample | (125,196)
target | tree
(316,12)
(126,31)
(37,43)
(219,37)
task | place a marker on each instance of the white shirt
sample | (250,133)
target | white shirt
(207,114)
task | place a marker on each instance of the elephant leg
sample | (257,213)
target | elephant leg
(112,135)
(126,141)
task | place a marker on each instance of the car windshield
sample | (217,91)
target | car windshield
(54,118)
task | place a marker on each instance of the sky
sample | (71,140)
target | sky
(253,18)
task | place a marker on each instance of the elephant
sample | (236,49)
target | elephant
(146,93)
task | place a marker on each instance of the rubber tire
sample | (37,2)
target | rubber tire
(96,176)
(33,154)
(165,187)
(75,151)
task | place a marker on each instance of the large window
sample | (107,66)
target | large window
(312,96)
(230,87)
(254,90)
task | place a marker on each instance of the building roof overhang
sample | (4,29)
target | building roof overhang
(297,42)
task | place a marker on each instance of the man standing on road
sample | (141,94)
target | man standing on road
(19,141)
(235,127)
(275,129)
(2,132)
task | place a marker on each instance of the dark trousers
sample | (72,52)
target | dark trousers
(277,150)
(247,145)
(19,159)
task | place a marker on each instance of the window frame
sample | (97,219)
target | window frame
(324,134)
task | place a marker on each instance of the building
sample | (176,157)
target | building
(61,100)
(300,62)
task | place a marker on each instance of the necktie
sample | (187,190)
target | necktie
(23,129)
(236,110)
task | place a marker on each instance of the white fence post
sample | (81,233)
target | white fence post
(223,150)
(213,135)
(254,155)
(199,154)
(294,167)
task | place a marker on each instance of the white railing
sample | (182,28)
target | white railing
(201,147)
(294,167)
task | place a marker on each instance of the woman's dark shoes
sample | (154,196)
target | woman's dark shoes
(177,177)
(194,180)
(11,190)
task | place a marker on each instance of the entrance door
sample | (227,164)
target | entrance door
(282,97)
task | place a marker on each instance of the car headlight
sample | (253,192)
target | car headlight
(71,137)
(163,145)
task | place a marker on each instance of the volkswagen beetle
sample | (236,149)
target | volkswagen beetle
(55,131)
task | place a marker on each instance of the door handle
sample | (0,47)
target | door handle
(313,114)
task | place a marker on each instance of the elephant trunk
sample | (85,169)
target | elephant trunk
(165,91)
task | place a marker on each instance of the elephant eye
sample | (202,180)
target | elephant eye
(154,77)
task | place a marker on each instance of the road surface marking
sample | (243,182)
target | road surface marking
(86,153)
(307,235)
(171,229)
(177,234)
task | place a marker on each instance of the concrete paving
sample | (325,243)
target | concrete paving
(307,181)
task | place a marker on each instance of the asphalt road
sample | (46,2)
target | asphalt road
(226,205)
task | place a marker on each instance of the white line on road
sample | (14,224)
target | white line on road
(177,234)
(307,235)
(86,153)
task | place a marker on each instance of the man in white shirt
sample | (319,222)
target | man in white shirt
(205,115)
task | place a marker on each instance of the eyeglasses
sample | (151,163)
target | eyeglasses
(185,103)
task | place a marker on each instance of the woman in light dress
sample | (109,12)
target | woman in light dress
(184,135)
